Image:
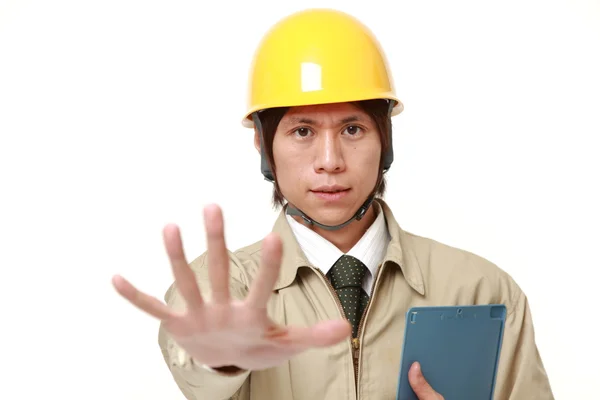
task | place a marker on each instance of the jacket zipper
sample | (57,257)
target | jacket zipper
(355,357)
(353,341)
(356,340)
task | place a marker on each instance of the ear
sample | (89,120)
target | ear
(257,141)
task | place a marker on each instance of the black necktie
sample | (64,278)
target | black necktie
(346,277)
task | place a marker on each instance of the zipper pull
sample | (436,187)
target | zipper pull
(355,347)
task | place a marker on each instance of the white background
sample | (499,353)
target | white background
(119,116)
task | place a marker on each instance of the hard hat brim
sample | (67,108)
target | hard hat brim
(248,123)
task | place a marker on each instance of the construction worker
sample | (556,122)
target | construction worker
(316,309)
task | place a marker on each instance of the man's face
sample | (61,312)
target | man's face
(327,160)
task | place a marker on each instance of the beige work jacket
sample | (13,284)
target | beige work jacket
(416,271)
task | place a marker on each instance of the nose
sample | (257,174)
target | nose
(329,153)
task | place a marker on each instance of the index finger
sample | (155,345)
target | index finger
(265,279)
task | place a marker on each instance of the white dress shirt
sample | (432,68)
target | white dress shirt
(370,249)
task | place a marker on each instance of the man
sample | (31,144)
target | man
(316,309)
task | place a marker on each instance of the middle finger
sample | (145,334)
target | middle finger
(218,258)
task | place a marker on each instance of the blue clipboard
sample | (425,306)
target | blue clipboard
(458,348)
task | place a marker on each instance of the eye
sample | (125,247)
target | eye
(302,132)
(353,130)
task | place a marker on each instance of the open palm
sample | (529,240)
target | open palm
(223,331)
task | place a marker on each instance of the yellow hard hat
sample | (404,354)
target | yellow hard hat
(318,56)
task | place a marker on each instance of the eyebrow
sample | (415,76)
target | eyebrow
(304,120)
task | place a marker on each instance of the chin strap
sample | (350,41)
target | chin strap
(293,211)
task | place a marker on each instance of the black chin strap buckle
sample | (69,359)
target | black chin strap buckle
(361,213)
(306,219)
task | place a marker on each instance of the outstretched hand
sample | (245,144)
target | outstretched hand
(223,331)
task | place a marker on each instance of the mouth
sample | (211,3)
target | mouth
(330,193)
(330,189)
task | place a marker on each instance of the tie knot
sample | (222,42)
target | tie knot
(347,271)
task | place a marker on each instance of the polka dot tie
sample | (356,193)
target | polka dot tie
(346,277)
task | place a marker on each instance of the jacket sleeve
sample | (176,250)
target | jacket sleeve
(195,381)
(521,373)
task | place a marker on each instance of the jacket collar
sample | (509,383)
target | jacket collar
(399,252)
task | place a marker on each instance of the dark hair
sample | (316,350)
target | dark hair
(377,109)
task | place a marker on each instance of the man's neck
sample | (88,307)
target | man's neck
(346,237)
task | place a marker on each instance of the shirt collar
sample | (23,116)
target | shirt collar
(321,253)
(400,252)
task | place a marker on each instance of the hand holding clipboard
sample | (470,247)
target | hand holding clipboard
(457,349)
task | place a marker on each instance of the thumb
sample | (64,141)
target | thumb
(419,384)
(322,334)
